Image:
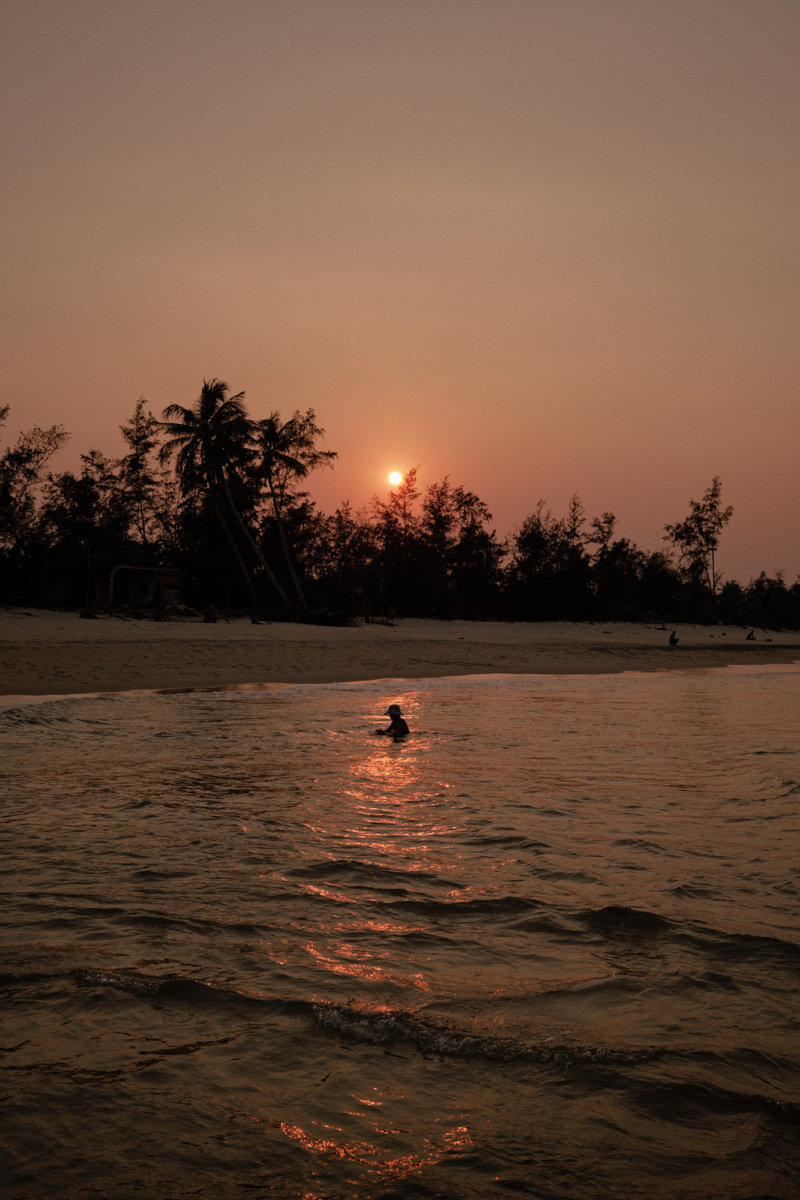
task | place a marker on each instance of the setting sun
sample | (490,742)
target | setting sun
(395,478)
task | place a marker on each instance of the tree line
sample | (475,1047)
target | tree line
(208,508)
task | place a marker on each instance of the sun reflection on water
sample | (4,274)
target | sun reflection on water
(328,1142)
(344,958)
(384,836)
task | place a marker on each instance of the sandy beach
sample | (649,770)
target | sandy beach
(50,653)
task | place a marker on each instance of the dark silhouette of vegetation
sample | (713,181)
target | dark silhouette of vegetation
(212,444)
(137,469)
(209,507)
(286,453)
(22,468)
(697,538)
(549,576)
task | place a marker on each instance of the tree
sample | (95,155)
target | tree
(85,522)
(768,602)
(212,444)
(21,471)
(397,537)
(549,577)
(697,538)
(602,532)
(618,571)
(460,554)
(284,454)
(136,467)
(342,560)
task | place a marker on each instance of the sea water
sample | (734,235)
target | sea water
(549,945)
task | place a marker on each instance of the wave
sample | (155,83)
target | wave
(685,1083)
(44,715)
(14,981)
(658,1078)
(638,843)
(359,1023)
(372,873)
(619,919)
(668,1081)
(497,906)
(195,993)
(739,947)
(512,841)
(369,1026)
(379,1026)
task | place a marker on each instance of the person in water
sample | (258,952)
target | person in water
(398,727)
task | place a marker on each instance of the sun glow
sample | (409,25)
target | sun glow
(395,478)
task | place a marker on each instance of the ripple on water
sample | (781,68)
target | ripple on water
(549,942)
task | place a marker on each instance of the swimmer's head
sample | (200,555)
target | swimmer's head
(393,711)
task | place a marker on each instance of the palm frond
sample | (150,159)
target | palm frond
(174,411)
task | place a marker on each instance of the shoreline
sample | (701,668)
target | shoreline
(45,653)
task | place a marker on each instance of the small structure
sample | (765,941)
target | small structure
(138,587)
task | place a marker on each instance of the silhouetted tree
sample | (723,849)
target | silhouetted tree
(85,521)
(548,577)
(284,454)
(21,470)
(461,555)
(696,539)
(342,561)
(601,532)
(412,554)
(617,570)
(769,603)
(212,444)
(396,530)
(138,468)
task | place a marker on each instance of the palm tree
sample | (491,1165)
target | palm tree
(285,453)
(211,442)
(275,465)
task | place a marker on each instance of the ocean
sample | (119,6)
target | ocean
(547,946)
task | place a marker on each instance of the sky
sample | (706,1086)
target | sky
(542,247)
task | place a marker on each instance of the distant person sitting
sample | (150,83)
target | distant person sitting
(398,728)
(673,638)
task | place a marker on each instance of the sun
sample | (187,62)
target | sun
(395,478)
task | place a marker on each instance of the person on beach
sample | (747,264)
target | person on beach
(673,638)
(398,727)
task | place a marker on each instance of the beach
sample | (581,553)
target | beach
(250,948)
(58,653)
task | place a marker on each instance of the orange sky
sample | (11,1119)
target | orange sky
(542,246)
